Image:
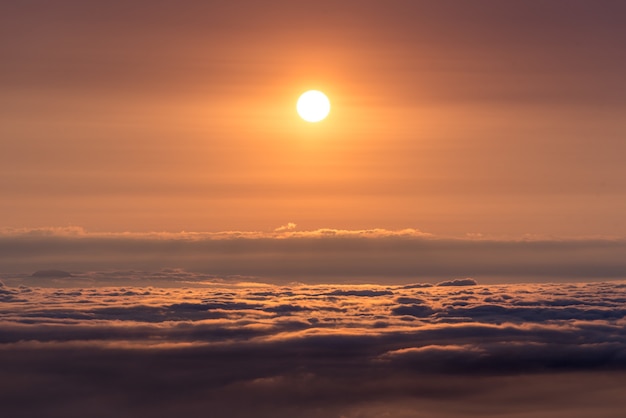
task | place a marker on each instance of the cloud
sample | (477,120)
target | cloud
(324,255)
(311,350)
(289,227)
(361,292)
(284,231)
(413,310)
(417,285)
(52,273)
(496,358)
(50,231)
(458,282)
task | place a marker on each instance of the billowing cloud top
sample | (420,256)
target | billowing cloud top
(310,350)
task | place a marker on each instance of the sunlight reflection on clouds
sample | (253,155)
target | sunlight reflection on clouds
(344,346)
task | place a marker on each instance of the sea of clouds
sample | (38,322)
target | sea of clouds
(171,342)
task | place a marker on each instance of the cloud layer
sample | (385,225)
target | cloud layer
(239,349)
(325,255)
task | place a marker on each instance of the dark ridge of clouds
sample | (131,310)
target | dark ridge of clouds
(10,295)
(145,390)
(177,312)
(499,314)
(412,354)
(417,286)
(286,309)
(7,296)
(51,273)
(458,282)
(419,311)
(362,293)
(314,374)
(409,300)
(496,358)
(315,256)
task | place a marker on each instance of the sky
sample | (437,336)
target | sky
(176,241)
(494,117)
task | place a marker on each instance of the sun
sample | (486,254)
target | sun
(313,106)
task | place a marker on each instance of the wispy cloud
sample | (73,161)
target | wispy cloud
(284,231)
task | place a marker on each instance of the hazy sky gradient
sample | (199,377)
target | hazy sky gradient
(452,117)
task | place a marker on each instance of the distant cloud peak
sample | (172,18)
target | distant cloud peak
(459,282)
(290,226)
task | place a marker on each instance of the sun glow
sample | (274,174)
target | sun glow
(313,106)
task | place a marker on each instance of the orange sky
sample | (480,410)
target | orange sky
(501,118)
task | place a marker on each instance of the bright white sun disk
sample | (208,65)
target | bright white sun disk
(313,106)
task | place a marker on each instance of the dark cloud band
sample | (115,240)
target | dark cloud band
(322,256)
